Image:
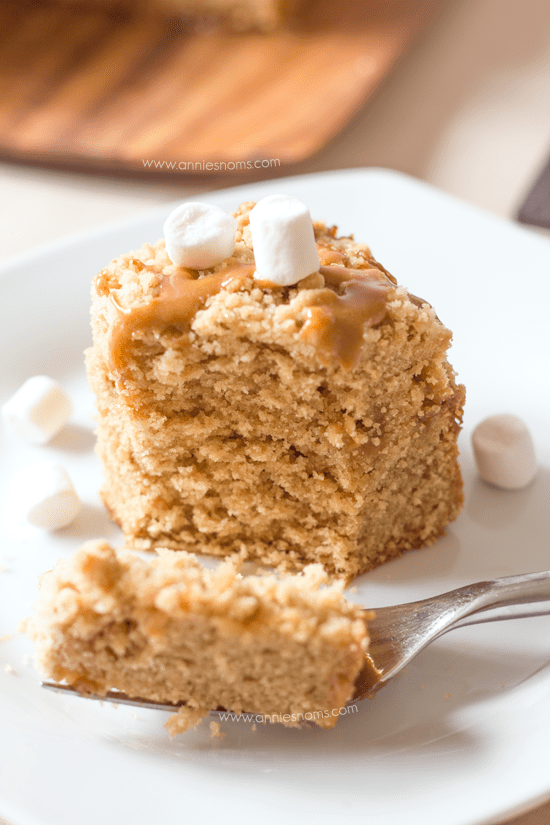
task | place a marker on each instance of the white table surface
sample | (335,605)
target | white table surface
(467,109)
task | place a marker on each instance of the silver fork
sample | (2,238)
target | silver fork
(400,632)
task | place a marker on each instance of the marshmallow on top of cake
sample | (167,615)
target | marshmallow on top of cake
(265,386)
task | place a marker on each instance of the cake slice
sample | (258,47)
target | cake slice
(169,630)
(316,422)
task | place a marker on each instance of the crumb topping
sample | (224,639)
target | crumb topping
(328,311)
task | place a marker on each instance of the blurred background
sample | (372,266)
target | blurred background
(105,110)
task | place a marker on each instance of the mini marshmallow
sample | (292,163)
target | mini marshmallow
(504,452)
(43,495)
(283,240)
(199,235)
(38,410)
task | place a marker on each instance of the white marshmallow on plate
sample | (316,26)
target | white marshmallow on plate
(504,452)
(283,240)
(199,235)
(38,410)
(43,495)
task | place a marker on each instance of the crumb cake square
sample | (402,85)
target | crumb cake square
(316,422)
(169,630)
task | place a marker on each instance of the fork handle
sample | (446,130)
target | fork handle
(510,597)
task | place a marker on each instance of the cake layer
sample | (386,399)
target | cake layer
(169,630)
(308,423)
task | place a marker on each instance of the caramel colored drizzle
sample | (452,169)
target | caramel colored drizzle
(181,296)
(335,323)
(329,256)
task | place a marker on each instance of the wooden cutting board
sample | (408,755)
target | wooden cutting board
(100,89)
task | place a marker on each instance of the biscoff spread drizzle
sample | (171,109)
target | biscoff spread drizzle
(181,295)
(335,323)
(335,317)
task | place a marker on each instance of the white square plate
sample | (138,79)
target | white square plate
(462,737)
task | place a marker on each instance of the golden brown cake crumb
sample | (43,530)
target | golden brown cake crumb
(215,731)
(313,423)
(169,630)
